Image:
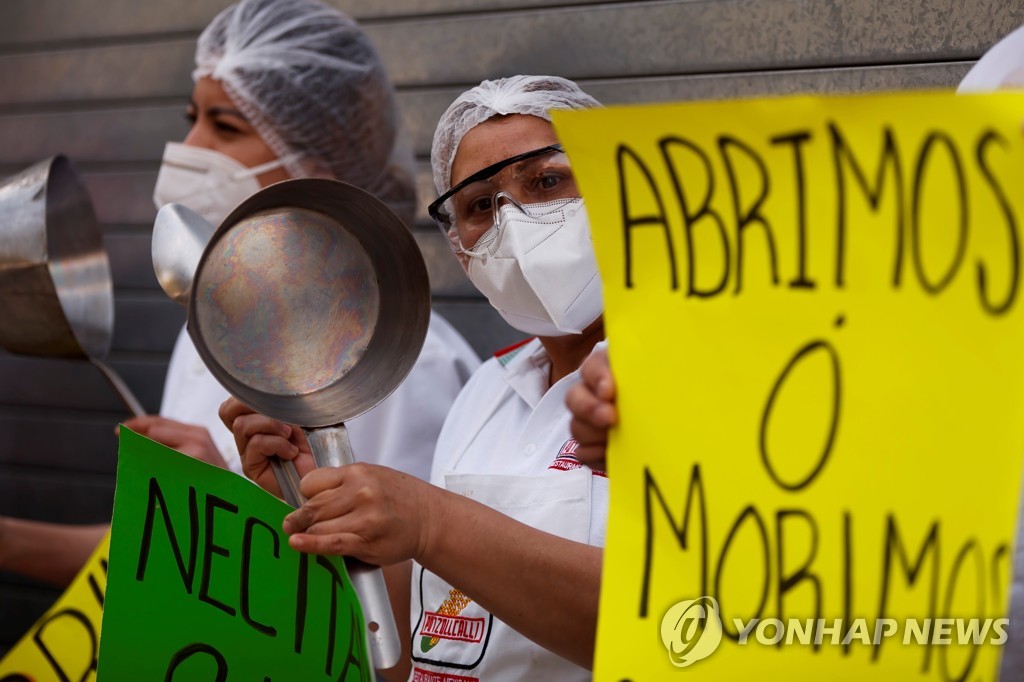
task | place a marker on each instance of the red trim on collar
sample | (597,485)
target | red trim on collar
(514,346)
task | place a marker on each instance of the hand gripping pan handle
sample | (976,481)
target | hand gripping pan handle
(331,448)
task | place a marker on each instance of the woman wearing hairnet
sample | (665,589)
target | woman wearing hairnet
(290,89)
(507,543)
(283,89)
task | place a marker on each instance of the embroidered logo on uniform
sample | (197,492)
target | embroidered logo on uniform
(444,623)
(566,459)
(421,675)
(452,627)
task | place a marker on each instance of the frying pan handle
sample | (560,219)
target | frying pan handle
(288,478)
(331,448)
(130,401)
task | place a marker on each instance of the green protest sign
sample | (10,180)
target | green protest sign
(202,584)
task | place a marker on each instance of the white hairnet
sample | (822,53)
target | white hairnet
(1002,66)
(531,95)
(312,85)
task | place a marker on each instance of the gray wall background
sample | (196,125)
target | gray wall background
(105,82)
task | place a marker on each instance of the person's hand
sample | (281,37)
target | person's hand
(592,404)
(193,440)
(373,513)
(259,438)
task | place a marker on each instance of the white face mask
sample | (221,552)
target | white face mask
(206,181)
(537,268)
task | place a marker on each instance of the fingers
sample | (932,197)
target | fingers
(258,438)
(190,439)
(166,431)
(593,398)
(592,405)
(604,414)
(322,515)
(340,544)
(589,409)
(139,424)
(369,512)
(587,434)
(593,444)
(324,480)
(256,459)
(330,492)
(146,425)
(593,456)
(231,409)
(328,523)
(257,427)
(597,375)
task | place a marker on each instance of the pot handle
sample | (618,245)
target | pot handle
(130,401)
(331,448)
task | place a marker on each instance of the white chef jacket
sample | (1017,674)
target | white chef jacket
(400,432)
(506,443)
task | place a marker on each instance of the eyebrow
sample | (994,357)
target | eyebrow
(219,110)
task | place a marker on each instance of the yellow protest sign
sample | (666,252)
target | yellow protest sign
(64,643)
(813,308)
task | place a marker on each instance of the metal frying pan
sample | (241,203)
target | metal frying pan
(56,297)
(310,304)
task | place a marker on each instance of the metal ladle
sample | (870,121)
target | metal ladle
(179,237)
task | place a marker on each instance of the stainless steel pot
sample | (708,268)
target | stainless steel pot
(56,296)
(310,304)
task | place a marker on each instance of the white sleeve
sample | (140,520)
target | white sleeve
(401,432)
(193,396)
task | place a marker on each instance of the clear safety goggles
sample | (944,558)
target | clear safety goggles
(468,210)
